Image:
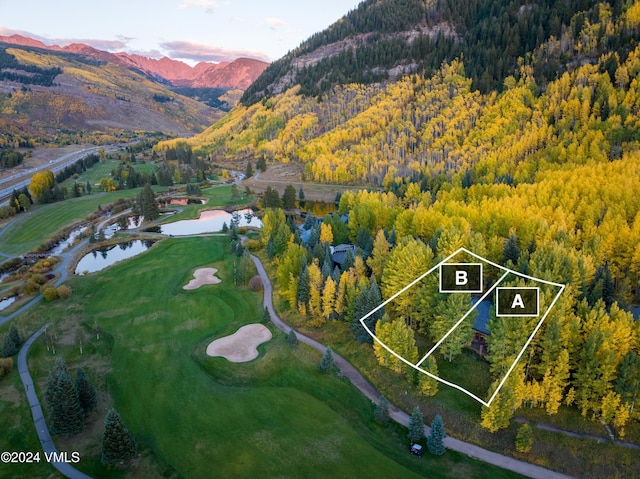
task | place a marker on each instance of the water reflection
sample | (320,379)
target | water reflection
(318,209)
(123,223)
(209,222)
(6,302)
(69,241)
(102,257)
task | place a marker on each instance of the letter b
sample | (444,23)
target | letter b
(461,278)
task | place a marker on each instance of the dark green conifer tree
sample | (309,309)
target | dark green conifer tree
(289,197)
(292,339)
(15,335)
(416,425)
(435,441)
(511,250)
(86,391)
(9,347)
(381,412)
(326,363)
(304,290)
(118,445)
(67,416)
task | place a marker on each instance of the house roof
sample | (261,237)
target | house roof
(339,253)
(482,319)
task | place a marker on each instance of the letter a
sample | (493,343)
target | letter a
(461,278)
(517,301)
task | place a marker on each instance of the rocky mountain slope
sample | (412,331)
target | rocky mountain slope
(47,88)
(43,92)
(238,74)
(381,40)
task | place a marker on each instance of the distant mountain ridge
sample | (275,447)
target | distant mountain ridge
(238,74)
(78,89)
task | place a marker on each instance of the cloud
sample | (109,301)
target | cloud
(7,32)
(155,54)
(208,5)
(273,22)
(208,53)
(107,45)
(236,20)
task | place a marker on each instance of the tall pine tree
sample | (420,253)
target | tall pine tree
(435,441)
(67,416)
(118,445)
(416,425)
(86,391)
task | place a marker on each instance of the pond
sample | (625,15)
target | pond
(6,302)
(208,222)
(319,209)
(69,241)
(123,223)
(103,257)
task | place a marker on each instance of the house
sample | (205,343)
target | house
(480,326)
(339,253)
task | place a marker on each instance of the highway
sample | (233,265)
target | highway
(24,178)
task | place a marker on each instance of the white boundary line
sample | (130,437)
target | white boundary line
(442,340)
(420,278)
(526,345)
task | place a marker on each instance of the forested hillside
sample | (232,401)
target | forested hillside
(47,94)
(541,175)
(381,39)
(423,126)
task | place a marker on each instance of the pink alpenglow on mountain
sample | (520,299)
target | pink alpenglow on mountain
(238,74)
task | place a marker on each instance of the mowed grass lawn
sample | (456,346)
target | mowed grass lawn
(34,228)
(276,416)
(194,423)
(103,169)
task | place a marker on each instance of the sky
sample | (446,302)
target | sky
(187,30)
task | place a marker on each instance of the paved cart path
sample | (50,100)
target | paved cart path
(36,411)
(401,417)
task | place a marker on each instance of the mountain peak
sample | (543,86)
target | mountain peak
(238,74)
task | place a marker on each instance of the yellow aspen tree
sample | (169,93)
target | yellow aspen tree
(315,293)
(379,255)
(326,234)
(329,299)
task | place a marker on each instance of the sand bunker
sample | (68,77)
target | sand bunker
(241,346)
(203,276)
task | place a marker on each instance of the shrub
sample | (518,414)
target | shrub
(253,245)
(6,365)
(31,286)
(255,283)
(524,438)
(292,339)
(50,293)
(64,291)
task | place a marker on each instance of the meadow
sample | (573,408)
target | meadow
(103,169)
(143,339)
